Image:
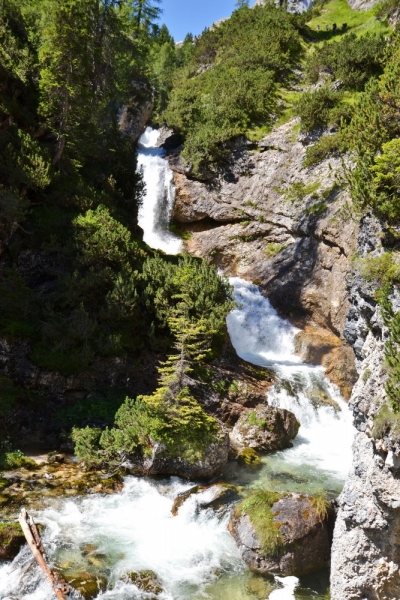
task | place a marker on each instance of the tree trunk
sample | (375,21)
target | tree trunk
(32,536)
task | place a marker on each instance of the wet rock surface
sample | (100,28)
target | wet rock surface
(265,429)
(218,496)
(51,480)
(304,531)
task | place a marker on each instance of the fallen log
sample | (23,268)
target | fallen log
(32,536)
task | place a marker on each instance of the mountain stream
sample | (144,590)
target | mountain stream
(193,554)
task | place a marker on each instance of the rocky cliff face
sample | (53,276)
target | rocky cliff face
(269,219)
(366,545)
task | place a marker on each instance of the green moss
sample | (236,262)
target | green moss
(249,457)
(258,506)
(17,460)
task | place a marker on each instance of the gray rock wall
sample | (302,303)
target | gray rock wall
(366,544)
(251,222)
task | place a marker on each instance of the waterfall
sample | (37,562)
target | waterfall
(261,337)
(158,202)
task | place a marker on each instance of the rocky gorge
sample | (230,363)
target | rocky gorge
(209,345)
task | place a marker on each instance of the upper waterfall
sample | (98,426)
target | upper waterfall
(158,202)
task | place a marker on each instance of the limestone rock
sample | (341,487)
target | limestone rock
(213,462)
(265,429)
(216,496)
(365,550)
(251,222)
(304,531)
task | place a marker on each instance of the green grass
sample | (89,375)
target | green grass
(339,12)
(274,249)
(385,422)
(258,506)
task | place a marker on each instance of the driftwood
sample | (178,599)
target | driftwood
(31,533)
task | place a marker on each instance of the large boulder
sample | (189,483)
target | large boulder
(11,540)
(211,463)
(265,428)
(288,534)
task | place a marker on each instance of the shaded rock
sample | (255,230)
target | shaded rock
(212,463)
(11,540)
(302,528)
(168,139)
(133,117)
(265,428)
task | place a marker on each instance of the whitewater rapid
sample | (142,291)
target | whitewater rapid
(158,202)
(261,337)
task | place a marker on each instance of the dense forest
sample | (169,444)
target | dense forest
(77,283)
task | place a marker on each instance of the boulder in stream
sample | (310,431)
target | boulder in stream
(11,540)
(218,496)
(211,463)
(265,428)
(286,534)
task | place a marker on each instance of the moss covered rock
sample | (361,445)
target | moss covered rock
(283,533)
(265,429)
(11,540)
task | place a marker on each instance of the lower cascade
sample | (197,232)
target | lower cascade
(192,555)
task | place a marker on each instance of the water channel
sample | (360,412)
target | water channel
(193,554)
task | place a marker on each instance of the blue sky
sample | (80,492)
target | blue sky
(184,16)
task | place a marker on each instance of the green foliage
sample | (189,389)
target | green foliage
(327,145)
(299,191)
(258,506)
(386,422)
(16,460)
(383,269)
(171,415)
(230,83)
(316,109)
(372,136)
(352,60)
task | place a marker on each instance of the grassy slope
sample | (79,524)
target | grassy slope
(359,22)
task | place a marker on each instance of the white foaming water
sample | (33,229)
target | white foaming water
(158,202)
(135,531)
(289,586)
(260,336)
